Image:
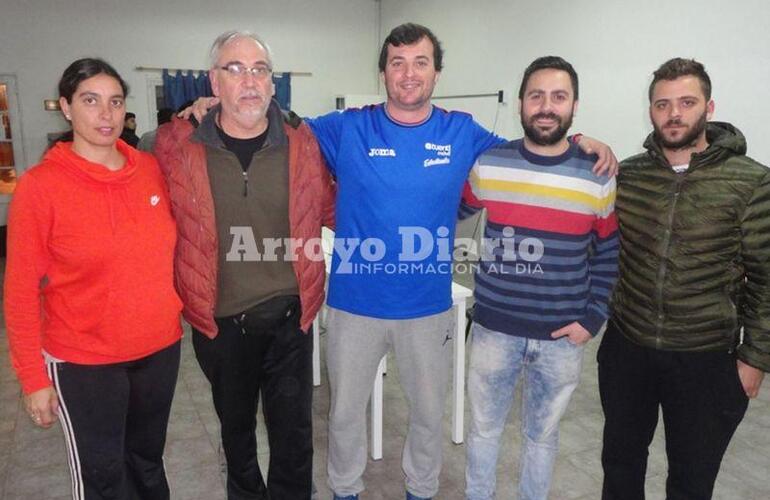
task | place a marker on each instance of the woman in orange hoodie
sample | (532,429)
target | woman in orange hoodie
(90,307)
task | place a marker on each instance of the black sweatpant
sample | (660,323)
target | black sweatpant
(114,419)
(242,362)
(702,400)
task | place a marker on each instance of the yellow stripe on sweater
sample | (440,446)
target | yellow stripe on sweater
(597,204)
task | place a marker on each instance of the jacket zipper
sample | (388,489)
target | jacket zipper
(246,172)
(735,332)
(664,263)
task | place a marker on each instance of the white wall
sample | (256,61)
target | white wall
(614,45)
(336,40)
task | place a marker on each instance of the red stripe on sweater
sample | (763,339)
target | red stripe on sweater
(539,218)
(607,226)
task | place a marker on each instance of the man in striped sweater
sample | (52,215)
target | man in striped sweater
(549,261)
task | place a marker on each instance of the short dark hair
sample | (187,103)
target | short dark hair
(129,115)
(83,69)
(549,62)
(679,67)
(407,34)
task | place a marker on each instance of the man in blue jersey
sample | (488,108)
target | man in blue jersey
(400,167)
(542,288)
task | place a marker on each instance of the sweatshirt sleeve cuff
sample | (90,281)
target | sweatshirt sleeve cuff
(33,380)
(754,357)
(592,321)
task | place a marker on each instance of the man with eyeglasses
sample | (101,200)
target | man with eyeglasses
(248,176)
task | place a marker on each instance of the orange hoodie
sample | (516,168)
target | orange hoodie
(89,275)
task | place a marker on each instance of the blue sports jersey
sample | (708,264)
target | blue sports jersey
(398,192)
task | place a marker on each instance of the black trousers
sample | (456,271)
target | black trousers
(702,402)
(114,419)
(241,363)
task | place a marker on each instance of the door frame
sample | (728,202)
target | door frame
(14,112)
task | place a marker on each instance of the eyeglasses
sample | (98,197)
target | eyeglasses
(239,70)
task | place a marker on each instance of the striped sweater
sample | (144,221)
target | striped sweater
(549,255)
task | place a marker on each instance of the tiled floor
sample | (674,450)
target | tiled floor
(32,462)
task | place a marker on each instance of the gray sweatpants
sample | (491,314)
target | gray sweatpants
(423,351)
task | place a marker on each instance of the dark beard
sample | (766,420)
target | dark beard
(687,140)
(546,139)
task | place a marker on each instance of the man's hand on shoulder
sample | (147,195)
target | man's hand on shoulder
(199,108)
(607,163)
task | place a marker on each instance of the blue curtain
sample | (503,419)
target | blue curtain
(282,83)
(202,83)
(179,89)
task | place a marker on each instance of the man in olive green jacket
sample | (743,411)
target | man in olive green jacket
(690,325)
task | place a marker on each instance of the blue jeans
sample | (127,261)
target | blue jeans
(551,370)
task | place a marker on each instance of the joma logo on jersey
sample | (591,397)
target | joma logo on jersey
(440,149)
(382,152)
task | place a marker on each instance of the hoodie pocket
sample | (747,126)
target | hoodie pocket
(84,310)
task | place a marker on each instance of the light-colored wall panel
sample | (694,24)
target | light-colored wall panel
(336,40)
(614,45)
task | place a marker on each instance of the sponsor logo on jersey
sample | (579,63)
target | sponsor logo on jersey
(432,162)
(443,152)
(440,149)
(382,152)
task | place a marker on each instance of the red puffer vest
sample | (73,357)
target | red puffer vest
(311,205)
